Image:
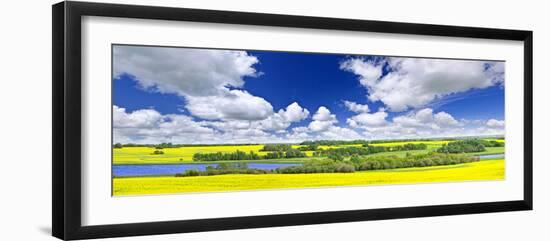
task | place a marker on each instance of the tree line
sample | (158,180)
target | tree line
(355,163)
(340,153)
(276,147)
(365,163)
(241,155)
(408,147)
(288,147)
(334,142)
(283,151)
(364,142)
(466,146)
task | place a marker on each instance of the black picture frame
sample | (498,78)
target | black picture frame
(66,157)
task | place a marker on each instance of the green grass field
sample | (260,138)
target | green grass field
(483,170)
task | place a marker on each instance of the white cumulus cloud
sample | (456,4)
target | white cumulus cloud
(415,124)
(339,133)
(445,119)
(415,82)
(285,117)
(322,120)
(205,78)
(425,118)
(355,107)
(294,112)
(366,119)
(138,119)
(149,126)
(229,105)
(323,126)
(184,71)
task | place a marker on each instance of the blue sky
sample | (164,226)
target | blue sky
(245,96)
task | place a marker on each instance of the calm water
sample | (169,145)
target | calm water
(491,156)
(172,169)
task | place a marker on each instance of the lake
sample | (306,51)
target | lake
(172,169)
(491,156)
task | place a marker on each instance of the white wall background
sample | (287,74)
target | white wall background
(25,107)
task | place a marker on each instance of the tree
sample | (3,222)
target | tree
(117,146)
(464,146)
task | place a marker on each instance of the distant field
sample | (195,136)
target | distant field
(483,170)
(143,155)
(399,143)
(489,151)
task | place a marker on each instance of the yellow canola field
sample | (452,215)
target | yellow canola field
(483,170)
(143,155)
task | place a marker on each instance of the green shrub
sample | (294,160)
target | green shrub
(222,169)
(191,173)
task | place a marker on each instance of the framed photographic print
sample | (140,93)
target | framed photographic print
(172,120)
